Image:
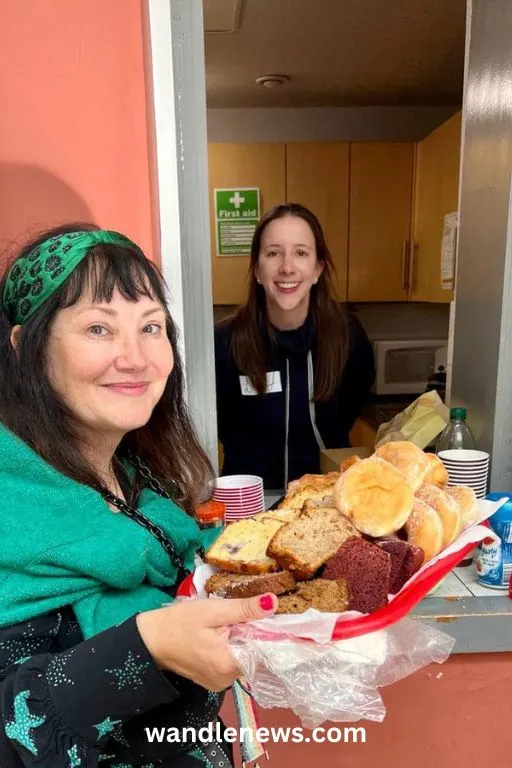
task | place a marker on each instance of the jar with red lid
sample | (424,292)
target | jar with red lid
(211,514)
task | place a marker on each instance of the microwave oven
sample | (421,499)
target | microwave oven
(403,367)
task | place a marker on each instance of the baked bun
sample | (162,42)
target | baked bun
(424,529)
(314,488)
(437,473)
(316,481)
(349,462)
(319,495)
(375,496)
(303,546)
(467,502)
(447,509)
(408,458)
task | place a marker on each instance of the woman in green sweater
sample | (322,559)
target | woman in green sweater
(100,472)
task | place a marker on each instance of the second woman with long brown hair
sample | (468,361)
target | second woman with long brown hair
(293,366)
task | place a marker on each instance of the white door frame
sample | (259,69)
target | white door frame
(175,75)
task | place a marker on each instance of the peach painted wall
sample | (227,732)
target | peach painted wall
(73,133)
(451,715)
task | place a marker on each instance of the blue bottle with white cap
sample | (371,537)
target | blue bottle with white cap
(494,561)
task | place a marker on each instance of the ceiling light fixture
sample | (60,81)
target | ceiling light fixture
(272,81)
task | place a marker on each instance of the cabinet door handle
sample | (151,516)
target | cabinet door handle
(405,264)
(410,278)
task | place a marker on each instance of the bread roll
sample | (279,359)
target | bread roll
(320,494)
(318,481)
(424,529)
(467,503)
(437,473)
(447,509)
(408,459)
(349,462)
(375,496)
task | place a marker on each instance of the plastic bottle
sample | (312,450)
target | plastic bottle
(494,562)
(457,434)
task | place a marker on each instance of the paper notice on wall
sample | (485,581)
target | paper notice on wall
(449,251)
(237,212)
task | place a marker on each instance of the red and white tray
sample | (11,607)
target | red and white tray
(352,624)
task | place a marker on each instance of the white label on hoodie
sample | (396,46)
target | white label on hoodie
(273,384)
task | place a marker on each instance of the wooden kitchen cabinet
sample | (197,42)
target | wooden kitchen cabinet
(317,176)
(381,205)
(244,165)
(436,194)
(381,181)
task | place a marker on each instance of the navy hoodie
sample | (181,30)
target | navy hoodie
(278,435)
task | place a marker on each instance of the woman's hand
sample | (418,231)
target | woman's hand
(191,638)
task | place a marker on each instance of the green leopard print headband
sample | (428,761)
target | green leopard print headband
(33,278)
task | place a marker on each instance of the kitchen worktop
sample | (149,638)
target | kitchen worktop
(479,618)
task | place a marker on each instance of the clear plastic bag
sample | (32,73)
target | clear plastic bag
(335,681)
(292,661)
(419,423)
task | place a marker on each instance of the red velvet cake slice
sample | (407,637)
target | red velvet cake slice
(367,570)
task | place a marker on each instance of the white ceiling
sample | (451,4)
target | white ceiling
(336,52)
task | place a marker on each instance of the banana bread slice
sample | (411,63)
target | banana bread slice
(293,603)
(242,585)
(328,596)
(304,545)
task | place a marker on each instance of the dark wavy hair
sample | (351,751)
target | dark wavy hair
(32,409)
(328,315)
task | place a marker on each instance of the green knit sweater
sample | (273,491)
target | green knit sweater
(60,544)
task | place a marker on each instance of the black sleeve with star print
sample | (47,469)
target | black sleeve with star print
(70,703)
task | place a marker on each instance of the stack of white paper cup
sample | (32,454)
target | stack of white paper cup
(242,495)
(467,467)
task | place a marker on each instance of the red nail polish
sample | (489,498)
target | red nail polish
(266,602)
